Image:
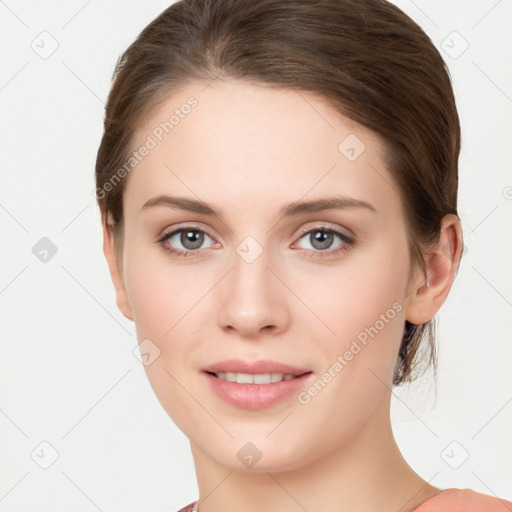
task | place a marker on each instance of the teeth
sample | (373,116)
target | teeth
(258,378)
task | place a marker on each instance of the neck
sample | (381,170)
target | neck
(369,473)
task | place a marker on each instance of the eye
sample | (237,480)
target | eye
(321,239)
(190,238)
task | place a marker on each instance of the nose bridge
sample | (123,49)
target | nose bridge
(251,278)
(251,299)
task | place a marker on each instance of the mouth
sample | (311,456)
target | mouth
(255,385)
(255,378)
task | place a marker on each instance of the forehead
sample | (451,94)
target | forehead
(233,139)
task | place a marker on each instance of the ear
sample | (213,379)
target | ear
(116,273)
(428,295)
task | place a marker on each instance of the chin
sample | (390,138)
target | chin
(254,456)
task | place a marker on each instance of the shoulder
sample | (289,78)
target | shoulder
(464,500)
(188,508)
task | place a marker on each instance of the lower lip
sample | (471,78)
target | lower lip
(256,396)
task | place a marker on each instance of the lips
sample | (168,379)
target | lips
(254,367)
(256,396)
(255,384)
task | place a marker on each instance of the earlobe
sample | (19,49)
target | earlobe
(428,295)
(116,273)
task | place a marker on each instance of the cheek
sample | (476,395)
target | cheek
(362,304)
(167,311)
(162,295)
(355,295)
(361,308)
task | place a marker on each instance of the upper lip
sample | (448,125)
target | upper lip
(260,366)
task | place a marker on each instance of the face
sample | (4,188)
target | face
(322,288)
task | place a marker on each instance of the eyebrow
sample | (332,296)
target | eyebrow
(289,210)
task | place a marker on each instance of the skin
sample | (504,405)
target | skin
(249,150)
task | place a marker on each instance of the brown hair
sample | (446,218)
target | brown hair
(367,58)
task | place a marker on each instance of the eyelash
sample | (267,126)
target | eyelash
(348,242)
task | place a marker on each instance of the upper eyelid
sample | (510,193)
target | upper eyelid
(177,229)
(326,227)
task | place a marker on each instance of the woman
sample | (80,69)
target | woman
(278,188)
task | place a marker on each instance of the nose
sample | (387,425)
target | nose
(252,300)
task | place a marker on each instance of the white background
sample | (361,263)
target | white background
(68,376)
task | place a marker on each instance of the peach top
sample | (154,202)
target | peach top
(448,500)
(464,500)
